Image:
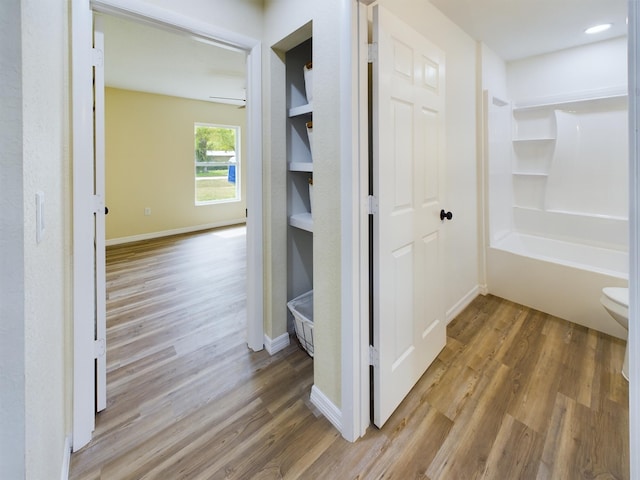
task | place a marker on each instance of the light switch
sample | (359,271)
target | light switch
(39,216)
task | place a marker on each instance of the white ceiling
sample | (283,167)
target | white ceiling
(145,58)
(517,29)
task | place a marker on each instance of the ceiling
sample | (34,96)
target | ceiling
(516,29)
(146,58)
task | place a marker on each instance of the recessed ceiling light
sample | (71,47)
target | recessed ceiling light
(598,28)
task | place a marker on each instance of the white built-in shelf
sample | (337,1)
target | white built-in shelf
(304,221)
(301,166)
(301,110)
(569,100)
(531,174)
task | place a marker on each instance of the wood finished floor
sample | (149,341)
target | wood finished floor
(515,394)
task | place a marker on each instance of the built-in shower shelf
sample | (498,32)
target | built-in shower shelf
(564,101)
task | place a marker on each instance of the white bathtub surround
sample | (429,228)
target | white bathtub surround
(557,202)
(560,278)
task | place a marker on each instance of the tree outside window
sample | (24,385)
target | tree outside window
(217,164)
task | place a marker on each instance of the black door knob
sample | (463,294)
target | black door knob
(447,215)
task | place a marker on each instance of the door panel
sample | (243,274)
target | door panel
(408,152)
(100,234)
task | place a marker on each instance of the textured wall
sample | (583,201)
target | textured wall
(12,413)
(283,17)
(46,167)
(149,163)
(461,250)
(587,68)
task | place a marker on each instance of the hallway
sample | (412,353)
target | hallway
(514,394)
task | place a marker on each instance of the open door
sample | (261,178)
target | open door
(89,359)
(409,328)
(99,216)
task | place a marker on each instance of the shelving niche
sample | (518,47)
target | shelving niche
(299,173)
(534,138)
(536,128)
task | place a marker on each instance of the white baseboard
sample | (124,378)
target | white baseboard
(176,231)
(277,344)
(483,289)
(66,459)
(461,304)
(326,407)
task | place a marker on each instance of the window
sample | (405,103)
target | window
(217,163)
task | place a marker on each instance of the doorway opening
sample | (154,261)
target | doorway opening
(84,277)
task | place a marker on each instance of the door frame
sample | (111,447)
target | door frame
(355,270)
(634,234)
(355,382)
(82,106)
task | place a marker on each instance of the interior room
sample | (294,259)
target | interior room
(156,79)
(529,231)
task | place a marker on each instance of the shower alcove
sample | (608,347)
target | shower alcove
(557,203)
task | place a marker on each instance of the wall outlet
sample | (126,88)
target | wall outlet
(147,211)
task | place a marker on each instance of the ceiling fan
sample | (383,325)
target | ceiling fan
(232,99)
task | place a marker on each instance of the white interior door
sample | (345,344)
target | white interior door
(89,368)
(409,328)
(100,212)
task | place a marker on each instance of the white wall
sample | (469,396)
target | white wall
(12,359)
(282,18)
(493,72)
(461,235)
(496,152)
(46,158)
(237,16)
(34,413)
(572,71)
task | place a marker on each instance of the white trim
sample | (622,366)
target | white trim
(279,343)
(326,407)
(634,234)
(355,415)
(66,459)
(175,231)
(83,228)
(172,20)
(83,411)
(355,296)
(461,304)
(483,289)
(255,227)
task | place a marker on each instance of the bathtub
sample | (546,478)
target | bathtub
(564,279)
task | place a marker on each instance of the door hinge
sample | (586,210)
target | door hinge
(374,356)
(373,205)
(372,52)
(97,57)
(99,348)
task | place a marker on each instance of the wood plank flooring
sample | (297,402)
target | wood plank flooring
(515,394)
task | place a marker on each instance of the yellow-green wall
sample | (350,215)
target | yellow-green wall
(149,164)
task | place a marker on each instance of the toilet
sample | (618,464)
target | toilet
(615,300)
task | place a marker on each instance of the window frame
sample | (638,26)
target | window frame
(237,163)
